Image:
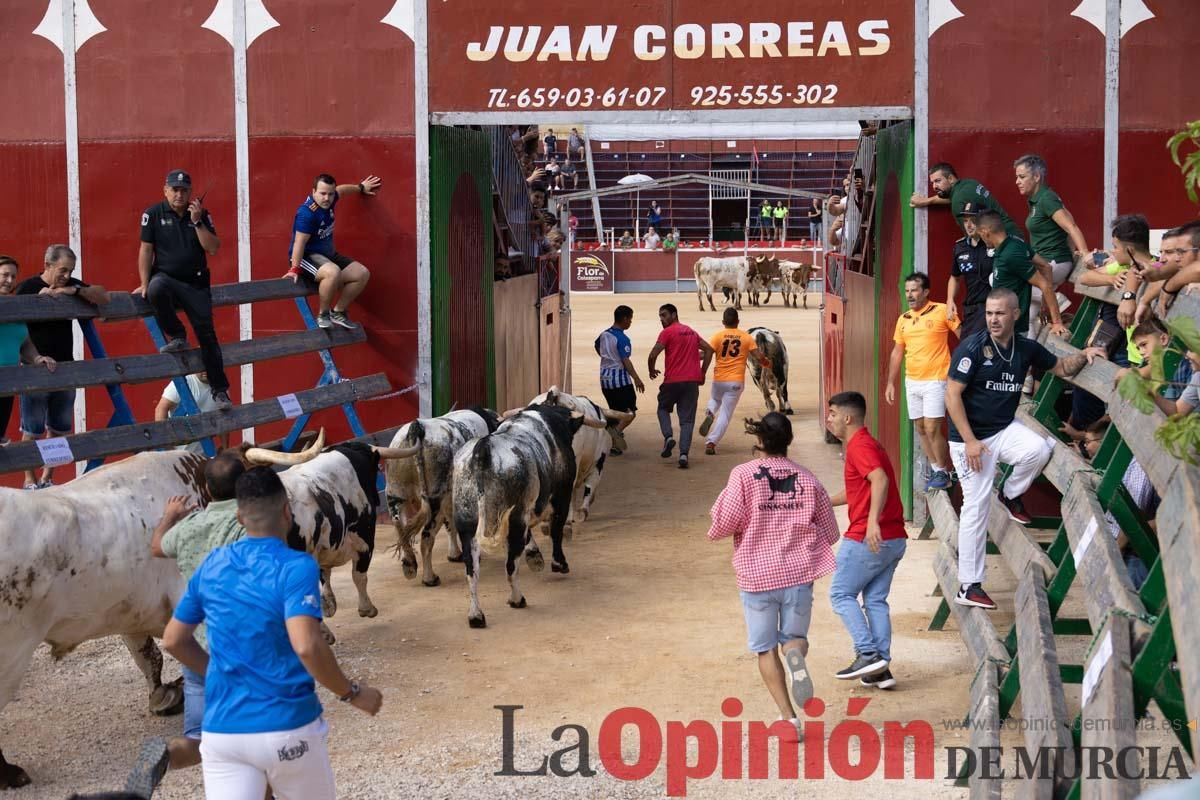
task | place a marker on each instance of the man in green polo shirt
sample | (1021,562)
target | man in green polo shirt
(1013,268)
(189,538)
(956,192)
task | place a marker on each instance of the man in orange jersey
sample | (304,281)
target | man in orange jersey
(732,347)
(923,335)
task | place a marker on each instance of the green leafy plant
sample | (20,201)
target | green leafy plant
(1189,162)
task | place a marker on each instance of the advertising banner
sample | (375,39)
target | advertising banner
(656,55)
(592,272)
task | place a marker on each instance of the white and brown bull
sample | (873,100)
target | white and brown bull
(713,273)
(794,278)
(76,566)
(418,488)
(771,381)
(591,445)
(763,271)
(505,484)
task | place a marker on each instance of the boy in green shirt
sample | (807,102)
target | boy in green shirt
(1013,268)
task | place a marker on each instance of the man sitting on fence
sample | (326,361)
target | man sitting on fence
(53,413)
(986,374)
(177,238)
(312,250)
(1140,490)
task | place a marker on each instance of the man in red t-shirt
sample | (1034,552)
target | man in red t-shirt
(688,356)
(872,546)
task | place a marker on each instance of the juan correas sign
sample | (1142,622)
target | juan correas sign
(657,55)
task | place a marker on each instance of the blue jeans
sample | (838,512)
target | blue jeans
(777,616)
(859,571)
(52,410)
(193,703)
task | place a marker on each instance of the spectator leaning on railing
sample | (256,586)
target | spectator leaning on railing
(53,413)
(1180,270)
(15,345)
(986,374)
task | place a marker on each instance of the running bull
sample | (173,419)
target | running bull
(418,488)
(510,481)
(591,445)
(771,380)
(712,273)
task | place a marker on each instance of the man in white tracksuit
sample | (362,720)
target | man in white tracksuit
(986,374)
(732,346)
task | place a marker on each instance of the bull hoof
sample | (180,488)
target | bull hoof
(458,559)
(477,622)
(435,582)
(788,411)
(327,635)
(167,700)
(535,560)
(409,567)
(519,604)
(12,776)
(328,605)
(557,567)
(369,613)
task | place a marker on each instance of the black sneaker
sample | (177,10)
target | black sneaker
(706,426)
(974,596)
(150,768)
(880,680)
(864,664)
(222,401)
(174,346)
(340,318)
(615,452)
(683,461)
(324,321)
(1016,509)
(668,448)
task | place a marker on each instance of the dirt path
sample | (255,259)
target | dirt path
(648,617)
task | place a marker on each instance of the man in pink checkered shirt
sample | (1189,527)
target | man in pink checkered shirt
(783,528)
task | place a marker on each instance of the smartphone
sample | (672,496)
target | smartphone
(1099,259)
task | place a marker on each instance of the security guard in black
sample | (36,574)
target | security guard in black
(973,264)
(993,377)
(177,248)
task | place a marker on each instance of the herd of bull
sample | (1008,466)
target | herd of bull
(77,564)
(750,276)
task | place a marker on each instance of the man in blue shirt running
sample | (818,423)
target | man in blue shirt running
(618,378)
(262,604)
(312,254)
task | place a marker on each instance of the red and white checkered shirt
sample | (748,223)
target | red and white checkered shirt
(782,525)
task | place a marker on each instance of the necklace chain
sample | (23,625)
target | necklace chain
(1000,350)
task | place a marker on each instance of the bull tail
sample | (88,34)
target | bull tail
(498,541)
(417,431)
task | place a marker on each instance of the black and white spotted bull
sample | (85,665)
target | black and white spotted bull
(418,488)
(334,501)
(771,381)
(591,446)
(509,482)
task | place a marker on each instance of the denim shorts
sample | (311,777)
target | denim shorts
(777,616)
(54,410)
(193,703)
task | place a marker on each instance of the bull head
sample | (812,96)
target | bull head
(257,456)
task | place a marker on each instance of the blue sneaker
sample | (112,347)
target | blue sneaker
(939,480)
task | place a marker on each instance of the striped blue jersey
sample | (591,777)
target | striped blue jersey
(614,347)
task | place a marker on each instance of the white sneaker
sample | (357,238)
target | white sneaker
(797,724)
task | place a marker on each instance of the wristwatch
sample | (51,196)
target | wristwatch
(1128,296)
(353,693)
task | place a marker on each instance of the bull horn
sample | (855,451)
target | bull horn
(261,457)
(396,452)
(618,416)
(512,412)
(591,423)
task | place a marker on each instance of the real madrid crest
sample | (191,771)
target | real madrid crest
(987,351)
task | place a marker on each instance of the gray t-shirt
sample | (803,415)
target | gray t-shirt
(1191,393)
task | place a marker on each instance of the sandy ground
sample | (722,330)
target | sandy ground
(648,617)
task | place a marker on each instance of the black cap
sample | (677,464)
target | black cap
(179,178)
(969,210)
